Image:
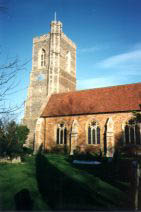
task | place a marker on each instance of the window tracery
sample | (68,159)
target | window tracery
(61,134)
(132,133)
(93,133)
(42,58)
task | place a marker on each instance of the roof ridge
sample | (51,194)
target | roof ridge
(120,98)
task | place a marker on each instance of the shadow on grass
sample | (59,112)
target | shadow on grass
(106,172)
(61,192)
(112,172)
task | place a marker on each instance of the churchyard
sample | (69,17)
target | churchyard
(55,182)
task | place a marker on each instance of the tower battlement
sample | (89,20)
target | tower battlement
(68,40)
(56,27)
(40,38)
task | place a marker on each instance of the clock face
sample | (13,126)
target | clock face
(40,77)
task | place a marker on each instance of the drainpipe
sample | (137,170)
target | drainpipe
(44,134)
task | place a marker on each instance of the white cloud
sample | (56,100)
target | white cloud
(115,70)
(137,46)
(98,82)
(89,49)
(121,60)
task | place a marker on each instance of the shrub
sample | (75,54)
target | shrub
(60,149)
(130,150)
(93,150)
(27,150)
(14,150)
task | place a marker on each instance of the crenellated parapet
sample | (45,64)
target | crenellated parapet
(68,40)
(41,38)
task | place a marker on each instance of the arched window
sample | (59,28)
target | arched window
(93,133)
(132,133)
(61,134)
(42,58)
(68,61)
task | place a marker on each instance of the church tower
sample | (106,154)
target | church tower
(53,71)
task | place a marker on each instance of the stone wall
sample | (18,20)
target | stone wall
(50,78)
(67,78)
(8,160)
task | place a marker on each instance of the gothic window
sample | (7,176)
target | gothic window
(68,61)
(93,133)
(61,134)
(132,133)
(42,58)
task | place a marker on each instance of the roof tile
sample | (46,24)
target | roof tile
(100,100)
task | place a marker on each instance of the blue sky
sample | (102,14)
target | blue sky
(107,34)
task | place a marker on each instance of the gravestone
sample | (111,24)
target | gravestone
(23,201)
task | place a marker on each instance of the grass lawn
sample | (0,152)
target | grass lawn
(55,183)
(66,186)
(15,177)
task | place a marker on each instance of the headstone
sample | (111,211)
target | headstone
(23,201)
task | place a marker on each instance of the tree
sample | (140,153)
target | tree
(21,133)
(12,138)
(8,85)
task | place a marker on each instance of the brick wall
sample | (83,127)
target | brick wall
(82,120)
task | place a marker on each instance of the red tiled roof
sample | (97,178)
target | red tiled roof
(100,100)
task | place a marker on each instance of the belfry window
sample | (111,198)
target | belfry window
(43,58)
(61,134)
(132,133)
(68,61)
(93,133)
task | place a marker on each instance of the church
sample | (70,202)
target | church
(60,117)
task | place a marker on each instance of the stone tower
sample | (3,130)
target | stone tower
(53,71)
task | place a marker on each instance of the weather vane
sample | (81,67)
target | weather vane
(55,16)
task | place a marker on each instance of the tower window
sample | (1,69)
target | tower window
(42,58)
(61,134)
(68,61)
(93,133)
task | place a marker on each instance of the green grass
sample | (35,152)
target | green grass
(15,177)
(67,187)
(57,184)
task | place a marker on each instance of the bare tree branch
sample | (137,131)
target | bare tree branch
(10,71)
(9,82)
